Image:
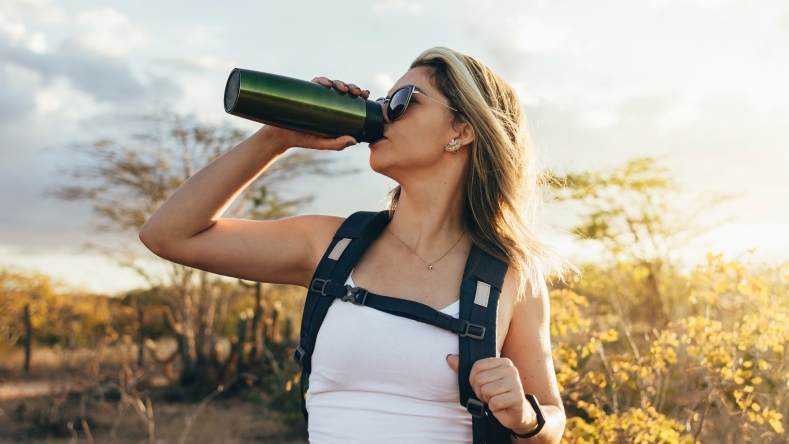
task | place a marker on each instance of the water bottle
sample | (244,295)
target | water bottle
(302,106)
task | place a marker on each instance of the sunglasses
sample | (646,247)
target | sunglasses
(397,103)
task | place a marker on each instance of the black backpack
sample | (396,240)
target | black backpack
(483,277)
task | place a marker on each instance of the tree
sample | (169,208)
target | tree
(126,181)
(638,214)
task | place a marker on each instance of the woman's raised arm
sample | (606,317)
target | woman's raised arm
(187,228)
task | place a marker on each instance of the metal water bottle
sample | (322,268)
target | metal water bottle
(302,106)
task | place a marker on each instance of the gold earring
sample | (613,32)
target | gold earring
(453,146)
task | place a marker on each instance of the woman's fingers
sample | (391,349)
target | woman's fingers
(322,81)
(342,86)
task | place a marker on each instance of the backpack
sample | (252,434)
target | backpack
(483,277)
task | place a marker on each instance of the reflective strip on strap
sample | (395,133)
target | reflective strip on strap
(483,293)
(339,248)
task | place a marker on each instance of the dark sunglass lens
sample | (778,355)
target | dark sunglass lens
(398,103)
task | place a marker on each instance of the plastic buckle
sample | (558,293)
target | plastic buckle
(299,355)
(476,408)
(353,297)
(465,331)
(322,291)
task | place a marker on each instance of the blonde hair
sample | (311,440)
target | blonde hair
(504,191)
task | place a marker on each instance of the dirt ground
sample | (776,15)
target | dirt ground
(31,411)
(231,420)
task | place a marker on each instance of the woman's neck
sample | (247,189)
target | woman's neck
(429,217)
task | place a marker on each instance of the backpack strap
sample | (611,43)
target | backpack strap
(479,297)
(349,243)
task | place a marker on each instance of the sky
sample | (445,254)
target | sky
(701,84)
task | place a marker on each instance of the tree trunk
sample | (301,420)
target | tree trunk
(140,337)
(654,296)
(28,337)
(257,325)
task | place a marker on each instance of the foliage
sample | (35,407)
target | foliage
(56,316)
(640,216)
(719,374)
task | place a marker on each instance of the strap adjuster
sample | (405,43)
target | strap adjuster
(322,290)
(354,297)
(476,408)
(299,354)
(465,330)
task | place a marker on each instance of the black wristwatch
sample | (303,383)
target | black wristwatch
(540,419)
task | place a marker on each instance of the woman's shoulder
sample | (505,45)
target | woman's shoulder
(319,227)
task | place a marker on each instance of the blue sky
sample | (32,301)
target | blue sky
(702,83)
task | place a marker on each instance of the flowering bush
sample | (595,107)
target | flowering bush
(719,374)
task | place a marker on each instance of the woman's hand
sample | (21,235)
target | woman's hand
(496,382)
(292,138)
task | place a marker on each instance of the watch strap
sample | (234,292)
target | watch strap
(540,418)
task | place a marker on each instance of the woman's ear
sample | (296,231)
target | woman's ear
(465,133)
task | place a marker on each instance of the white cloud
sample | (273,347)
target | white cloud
(46,102)
(380,85)
(17,33)
(108,32)
(683,113)
(204,62)
(414,8)
(599,118)
(41,9)
(531,35)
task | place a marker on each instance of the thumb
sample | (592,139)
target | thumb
(453,361)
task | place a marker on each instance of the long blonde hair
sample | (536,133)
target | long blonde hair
(504,189)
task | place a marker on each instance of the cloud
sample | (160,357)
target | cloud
(201,62)
(514,40)
(44,10)
(380,85)
(16,33)
(105,79)
(414,8)
(108,33)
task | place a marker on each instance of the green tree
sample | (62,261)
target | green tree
(639,215)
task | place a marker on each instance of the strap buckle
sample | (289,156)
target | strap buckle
(464,332)
(355,295)
(476,408)
(299,354)
(322,290)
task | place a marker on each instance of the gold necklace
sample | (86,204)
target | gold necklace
(430,265)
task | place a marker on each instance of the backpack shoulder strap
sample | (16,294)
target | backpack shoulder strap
(479,297)
(349,243)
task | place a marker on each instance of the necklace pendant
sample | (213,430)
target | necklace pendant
(430,267)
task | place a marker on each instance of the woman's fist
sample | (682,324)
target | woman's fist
(496,382)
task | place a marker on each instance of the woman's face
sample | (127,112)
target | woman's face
(414,143)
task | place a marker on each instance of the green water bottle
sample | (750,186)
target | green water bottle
(302,106)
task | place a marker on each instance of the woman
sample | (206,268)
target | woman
(460,152)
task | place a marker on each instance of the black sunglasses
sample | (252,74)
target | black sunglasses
(399,100)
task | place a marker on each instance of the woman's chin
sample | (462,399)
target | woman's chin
(379,161)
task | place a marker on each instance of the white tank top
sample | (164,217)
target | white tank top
(381,378)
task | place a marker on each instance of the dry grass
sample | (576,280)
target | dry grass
(67,386)
(232,420)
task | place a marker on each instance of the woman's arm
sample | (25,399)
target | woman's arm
(528,346)
(187,228)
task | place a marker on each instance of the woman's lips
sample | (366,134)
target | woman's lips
(383,138)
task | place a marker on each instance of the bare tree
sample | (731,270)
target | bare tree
(126,181)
